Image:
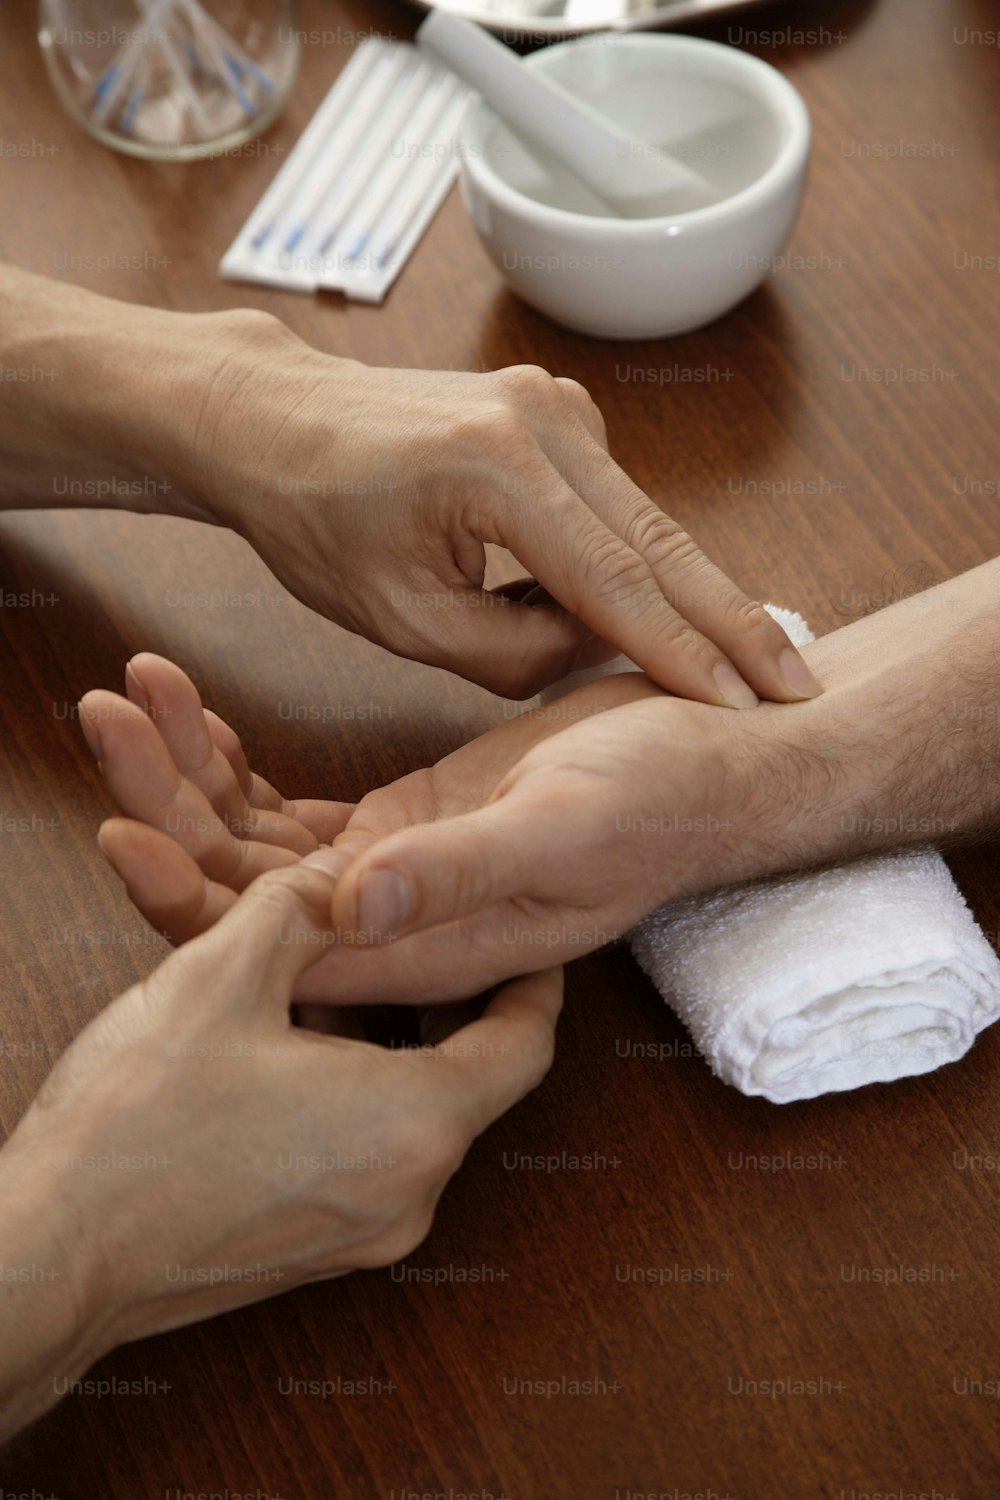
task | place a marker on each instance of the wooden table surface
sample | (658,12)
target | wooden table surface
(675,1272)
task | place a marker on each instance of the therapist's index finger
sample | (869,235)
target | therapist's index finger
(641,582)
(606,583)
(701,593)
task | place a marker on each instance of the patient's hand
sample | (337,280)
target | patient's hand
(569,795)
(558,830)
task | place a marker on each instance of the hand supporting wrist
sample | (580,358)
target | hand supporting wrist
(57,1303)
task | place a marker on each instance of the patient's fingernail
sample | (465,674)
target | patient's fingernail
(383,902)
(797,675)
(136,692)
(735,692)
(90,732)
(333,861)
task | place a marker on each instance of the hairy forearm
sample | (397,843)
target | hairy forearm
(903,747)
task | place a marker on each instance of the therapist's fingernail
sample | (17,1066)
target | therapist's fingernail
(90,732)
(797,675)
(383,902)
(136,692)
(734,691)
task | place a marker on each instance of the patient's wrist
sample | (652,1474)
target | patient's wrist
(901,747)
(822,781)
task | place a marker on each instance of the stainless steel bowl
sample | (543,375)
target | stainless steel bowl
(545,20)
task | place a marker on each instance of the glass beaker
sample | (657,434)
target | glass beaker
(171,79)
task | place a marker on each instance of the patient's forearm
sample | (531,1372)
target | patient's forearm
(902,747)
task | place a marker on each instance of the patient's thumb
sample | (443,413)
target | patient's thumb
(437,872)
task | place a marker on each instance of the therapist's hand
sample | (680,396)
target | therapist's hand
(194,1150)
(371,493)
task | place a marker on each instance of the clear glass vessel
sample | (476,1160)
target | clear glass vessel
(171,79)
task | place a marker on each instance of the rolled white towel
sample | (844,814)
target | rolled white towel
(804,985)
(862,973)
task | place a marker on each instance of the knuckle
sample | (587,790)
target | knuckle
(399,1239)
(273,885)
(686,641)
(562,504)
(493,431)
(749,615)
(576,387)
(664,542)
(527,382)
(224,736)
(626,583)
(273,893)
(253,323)
(583,403)
(434,1148)
(576,393)
(620,574)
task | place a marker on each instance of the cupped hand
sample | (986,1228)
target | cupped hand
(535,843)
(372,494)
(252,1155)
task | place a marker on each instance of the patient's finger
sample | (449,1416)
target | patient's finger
(445,965)
(225,738)
(171,699)
(140,773)
(162,881)
(421,877)
(432,968)
(324,820)
(258,792)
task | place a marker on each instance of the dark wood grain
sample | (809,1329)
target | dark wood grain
(879,497)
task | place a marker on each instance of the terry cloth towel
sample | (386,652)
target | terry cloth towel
(807,984)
